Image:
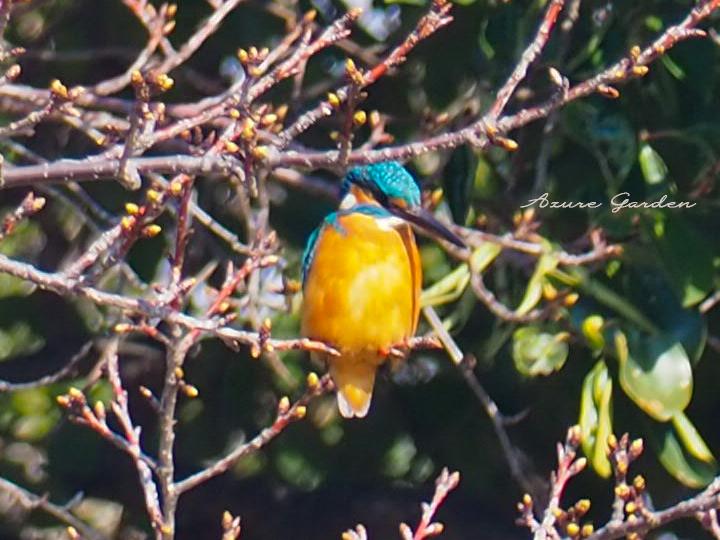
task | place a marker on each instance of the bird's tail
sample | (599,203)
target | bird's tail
(354,379)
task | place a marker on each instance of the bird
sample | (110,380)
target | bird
(361,277)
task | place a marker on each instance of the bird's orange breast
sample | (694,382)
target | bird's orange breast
(361,292)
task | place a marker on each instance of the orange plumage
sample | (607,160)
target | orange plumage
(362,276)
(361,295)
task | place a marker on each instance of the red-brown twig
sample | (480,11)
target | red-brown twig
(476,133)
(532,52)
(631,517)
(286,415)
(628,68)
(569,465)
(30,501)
(69,287)
(427,528)
(204,31)
(429,24)
(29,206)
(65,371)
(132,433)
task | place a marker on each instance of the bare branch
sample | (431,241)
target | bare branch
(30,501)
(532,52)
(631,515)
(286,415)
(59,375)
(444,484)
(205,30)
(29,206)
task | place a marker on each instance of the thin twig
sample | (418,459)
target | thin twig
(67,369)
(60,284)
(29,206)
(30,501)
(205,30)
(284,418)
(532,52)
(444,484)
(466,363)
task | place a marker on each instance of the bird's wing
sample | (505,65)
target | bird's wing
(408,238)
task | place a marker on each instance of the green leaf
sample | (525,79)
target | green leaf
(653,23)
(31,401)
(297,470)
(19,339)
(599,458)
(652,165)
(596,417)
(34,427)
(685,468)
(588,410)
(485,45)
(592,329)
(673,68)
(26,240)
(655,372)
(451,287)
(533,293)
(399,457)
(485,184)
(538,353)
(689,328)
(448,289)
(13,286)
(483,256)
(435,263)
(691,438)
(687,257)
(581,278)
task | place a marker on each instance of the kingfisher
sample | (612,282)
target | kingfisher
(362,276)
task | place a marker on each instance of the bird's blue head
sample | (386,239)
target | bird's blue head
(392,187)
(387,183)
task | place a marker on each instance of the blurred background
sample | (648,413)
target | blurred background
(324,475)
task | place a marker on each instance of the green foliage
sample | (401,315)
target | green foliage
(652,165)
(655,372)
(596,417)
(19,338)
(546,264)
(675,457)
(686,257)
(539,353)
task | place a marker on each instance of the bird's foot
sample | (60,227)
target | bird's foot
(398,350)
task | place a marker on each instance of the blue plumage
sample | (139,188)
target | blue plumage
(387,180)
(310,251)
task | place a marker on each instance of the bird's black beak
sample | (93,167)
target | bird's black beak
(420,217)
